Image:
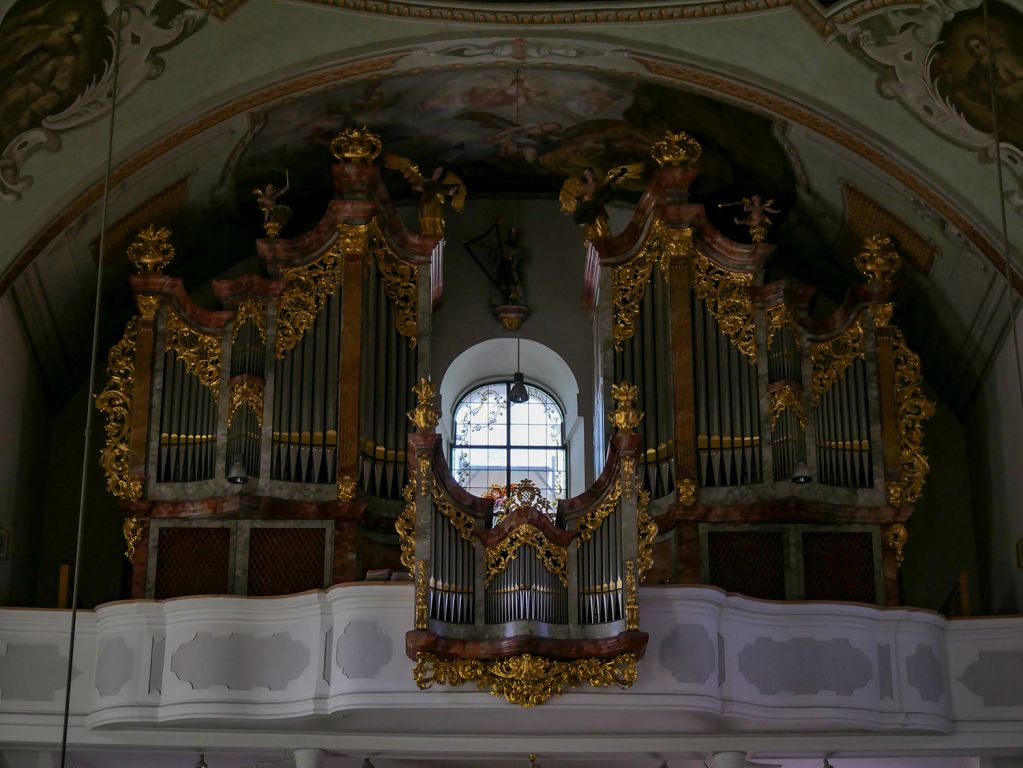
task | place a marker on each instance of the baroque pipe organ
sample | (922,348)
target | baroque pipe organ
(780,453)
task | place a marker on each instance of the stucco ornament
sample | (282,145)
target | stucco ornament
(65,78)
(925,52)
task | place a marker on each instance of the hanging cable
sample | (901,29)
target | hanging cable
(996,134)
(115,56)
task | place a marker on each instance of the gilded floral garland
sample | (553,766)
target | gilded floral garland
(525,680)
(728,300)
(246,394)
(405,525)
(912,409)
(629,282)
(458,517)
(554,558)
(115,403)
(831,358)
(593,519)
(200,352)
(307,289)
(250,311)
(401,284)
(647,533)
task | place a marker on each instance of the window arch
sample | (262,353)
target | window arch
(496,443)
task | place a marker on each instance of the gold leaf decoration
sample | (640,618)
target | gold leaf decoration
(250,311)
(525,494)
(458,517)
(114,402)
(405,525)
(401,284)
(878,260)
(132,529)
(728,300)
(306,291)
(151,251)
(345,488)
(830,359)
(554,558)
(422,615)
(625,417)
(629,282)
(787,397)
(676,149)
(200,352)
(525,680)
(912,410)
(685,490)
(778,317)
(647,533)
(246,393)
(593,519)
(356,145)
(424,416)
(895,538)
(631,597)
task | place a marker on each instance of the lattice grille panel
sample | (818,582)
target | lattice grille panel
(283,561)
(749,562)
(192,561)
(839,566)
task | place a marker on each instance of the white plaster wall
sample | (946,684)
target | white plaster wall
(996,463)
(23,424)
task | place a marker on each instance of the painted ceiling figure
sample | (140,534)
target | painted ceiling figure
(433,192)
(584,198)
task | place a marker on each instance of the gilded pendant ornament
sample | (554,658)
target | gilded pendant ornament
(424,416)
(401,284)
(629,282)
(728,300)
(912,410)
(114,402)
(830,359)
(250,311)
(676,149)
(422,616)
(629,476)
(882,314)
(356,145)
(132,529)
(200,352)
(405,525)
(685,491)
(778,317)
(424,469)
(345,488)
(787,398)
(306,291)
(895,537)
(246,393)
(593,519)
(878,260)
(462,520)
(625,417)
(553,557)
(151,251)
(631,597)
(148,305)
(525,680)
(647,533)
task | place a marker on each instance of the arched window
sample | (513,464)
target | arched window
(496,443)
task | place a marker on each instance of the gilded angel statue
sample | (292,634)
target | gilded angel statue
(433,191)
(584,198)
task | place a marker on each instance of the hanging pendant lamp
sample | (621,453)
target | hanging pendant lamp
(518,392)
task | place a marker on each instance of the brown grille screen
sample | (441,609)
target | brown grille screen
(839,566)
(192,561)
(748,562)
(283,561)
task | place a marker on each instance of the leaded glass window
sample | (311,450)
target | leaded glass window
(497,443)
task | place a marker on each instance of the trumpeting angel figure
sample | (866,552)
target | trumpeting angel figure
(434,191)
(584,197)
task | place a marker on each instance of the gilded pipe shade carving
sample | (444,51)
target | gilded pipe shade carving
(200,352)
(406,526)
(306,291)
(246,394)
(629,282)
(728,300)
(114,402)
(593,519)
(250,311)
(830,359)
(647,533)
(459,518)
(554,558)
(912,409)
(401,283)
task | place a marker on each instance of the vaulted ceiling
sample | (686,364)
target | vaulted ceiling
(854,120)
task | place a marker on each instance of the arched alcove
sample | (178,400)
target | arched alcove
(495,359)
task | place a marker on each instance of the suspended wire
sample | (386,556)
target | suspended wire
(1010,291)
(116,54)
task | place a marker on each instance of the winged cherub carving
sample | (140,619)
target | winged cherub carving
(433,191)
(584,198)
